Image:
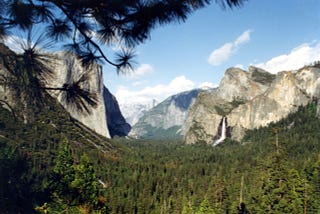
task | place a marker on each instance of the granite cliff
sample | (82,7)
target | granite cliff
(250,99)
(117,125)
(166,120)
(68,68)
(105,119)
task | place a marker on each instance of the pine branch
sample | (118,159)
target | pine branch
(87,38)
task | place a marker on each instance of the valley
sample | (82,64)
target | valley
(167,176)
(238,148)
(107,108)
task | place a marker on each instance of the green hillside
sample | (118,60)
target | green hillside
(28,153)
(169,177)
(254,176)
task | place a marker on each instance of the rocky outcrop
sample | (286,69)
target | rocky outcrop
(250,99)
(68,68)
(106,119)
(238,84)
(117,125)
(167,119)
(5,94)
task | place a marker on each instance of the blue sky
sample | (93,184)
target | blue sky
(273,34)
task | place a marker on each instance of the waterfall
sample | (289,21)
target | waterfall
(223,133)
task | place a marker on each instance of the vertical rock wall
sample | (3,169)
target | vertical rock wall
(116,123)
(97,119)
(251,99)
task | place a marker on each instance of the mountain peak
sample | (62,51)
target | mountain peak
(167,119)
(260,75)
(250,99)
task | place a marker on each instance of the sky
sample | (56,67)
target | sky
(275,35)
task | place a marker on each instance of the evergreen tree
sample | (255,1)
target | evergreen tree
(187,207)
(83,26)
(15,189)
(64,162)
(64,173)
(85,183)
(74,187)
(27,74)
(312,190)
(281,189)
(205,208)
(63,194)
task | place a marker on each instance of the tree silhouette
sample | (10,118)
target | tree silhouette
(28,73)
(83,26)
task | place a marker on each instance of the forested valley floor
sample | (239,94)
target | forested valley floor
(53,166)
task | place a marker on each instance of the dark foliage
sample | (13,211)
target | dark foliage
(169,177)
(85,25)
(26,75)
(28,153)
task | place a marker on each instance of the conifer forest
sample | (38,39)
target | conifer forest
(275,169)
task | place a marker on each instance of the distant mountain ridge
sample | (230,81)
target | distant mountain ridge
(247,99)
(165,120)
(250,99)
(133,111)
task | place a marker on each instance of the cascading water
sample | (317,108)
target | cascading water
(223,133)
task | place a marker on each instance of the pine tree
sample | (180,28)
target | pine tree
(281,189)
(27,74)
(187,207)
(312,190)
(85,183)
(64,164)
(205,208)
(83,26)
(74,187)
(63,175)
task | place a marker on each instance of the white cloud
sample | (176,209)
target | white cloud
(158,92)
(142,70)
(223,53)
(297,58)
(243,38)
(206,85)
(239,66)
(138,83)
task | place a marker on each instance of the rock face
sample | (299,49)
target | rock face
(166,120)
(5,95)
(106,119)
(250,99)
(67,69)
(116,123)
